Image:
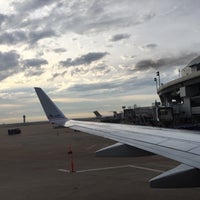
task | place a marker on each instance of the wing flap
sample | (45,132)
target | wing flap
(177,144)
(181,176)
(121,150)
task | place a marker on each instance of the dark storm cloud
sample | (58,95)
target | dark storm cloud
(118,37)
(84,59)
(34,62)
(165,62)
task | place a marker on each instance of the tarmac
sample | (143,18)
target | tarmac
(35,165)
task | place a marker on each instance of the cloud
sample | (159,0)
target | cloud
(118,37)
(59,50)
(34,62)
(77,71)
(33,66)
(151,46)
(172,61)
(15,37)
(80,16)
(101,68)
(29,5)
(84,59)
(2,18)
(9,60)
(107,88)
(148,47)
(9,63)
(93,86)
(33,72)
(56,75)
(35,36)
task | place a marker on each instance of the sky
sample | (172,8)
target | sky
(91,54)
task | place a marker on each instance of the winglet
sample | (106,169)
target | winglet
(53,113)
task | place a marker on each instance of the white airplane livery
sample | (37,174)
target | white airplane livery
(180,145)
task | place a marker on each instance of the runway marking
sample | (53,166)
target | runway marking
(91,147)
(64,170)
(116,167)
(146,168)
(100,169)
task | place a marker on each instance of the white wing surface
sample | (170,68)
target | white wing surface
(180,145)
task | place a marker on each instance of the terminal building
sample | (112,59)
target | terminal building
(180,102)
(182,96)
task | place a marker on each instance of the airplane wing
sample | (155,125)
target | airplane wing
(180,145)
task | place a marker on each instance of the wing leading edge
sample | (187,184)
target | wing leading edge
(180,145)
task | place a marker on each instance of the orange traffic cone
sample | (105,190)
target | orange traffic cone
(70,153)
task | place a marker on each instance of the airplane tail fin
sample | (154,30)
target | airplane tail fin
(53,113)
(98,115)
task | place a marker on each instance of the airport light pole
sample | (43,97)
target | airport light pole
(155,79)
(158,75)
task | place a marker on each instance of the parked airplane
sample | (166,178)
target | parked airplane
(180,145)
(109,119)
